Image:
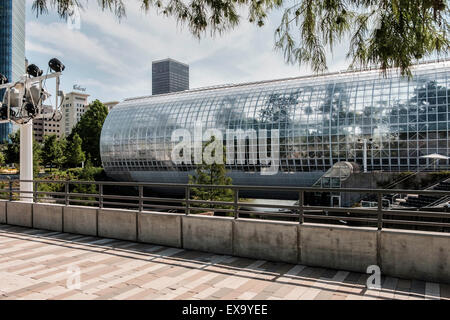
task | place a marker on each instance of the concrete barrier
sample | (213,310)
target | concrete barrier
(210,234)
(338,247)
(268,240)
(2,211)
(416,255)
(80,220)
(117,224)
(160,228)
(20,213)
(48,216)
(399,253)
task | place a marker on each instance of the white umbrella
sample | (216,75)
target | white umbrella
(435,156)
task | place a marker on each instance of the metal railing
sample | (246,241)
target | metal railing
(238,207)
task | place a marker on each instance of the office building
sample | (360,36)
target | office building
(169,75)
(12,48)
(74,106)
(321,120)
(47,124)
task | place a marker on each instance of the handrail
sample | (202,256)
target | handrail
(437,202)
(300,211)
(240,187)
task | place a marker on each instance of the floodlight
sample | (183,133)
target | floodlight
(3,79)
(30,109)
(34,71)
(14,95)
(56,65)
(4,112)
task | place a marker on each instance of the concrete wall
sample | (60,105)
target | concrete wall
(117,224)
(20,214)
(3,211)
(80,220)
(338,247)
(210,234)
(399,253)
(416,254)
(48,216)
(271,240)
(160,228)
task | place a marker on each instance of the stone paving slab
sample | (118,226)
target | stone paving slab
(37,264)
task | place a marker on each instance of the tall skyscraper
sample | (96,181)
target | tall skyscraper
(12,47)
(169,75)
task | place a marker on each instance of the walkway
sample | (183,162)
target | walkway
(37,264)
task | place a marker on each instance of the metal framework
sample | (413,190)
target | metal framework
(379,217)
(28,81)
(322,120)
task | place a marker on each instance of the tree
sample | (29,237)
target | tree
(211,174)
(2,159)
(88,173)
(73,152)
(89,129)
(37,158)
(388,33)
(276,113)
(12,152)
(53,151)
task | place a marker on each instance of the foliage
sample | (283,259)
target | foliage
(37,158)
(388,33)
(88,173)
(211,174)
(12,152)
(89,129)
(74,154)
(277,114)
(2,159)
(4,185)
(53,151)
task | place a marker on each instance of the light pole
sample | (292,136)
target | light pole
(21,104)
(364,142)
(365,155)
(26,161)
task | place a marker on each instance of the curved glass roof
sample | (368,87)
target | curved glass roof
(321,121)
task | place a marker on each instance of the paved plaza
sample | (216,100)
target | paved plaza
(37,264)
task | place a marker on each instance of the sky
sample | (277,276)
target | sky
(112,59)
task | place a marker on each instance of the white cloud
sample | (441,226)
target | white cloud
(35,47)
(113,59)
(74,45)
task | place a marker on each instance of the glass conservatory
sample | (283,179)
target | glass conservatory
(321,120)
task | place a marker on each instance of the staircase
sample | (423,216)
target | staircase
(420,201)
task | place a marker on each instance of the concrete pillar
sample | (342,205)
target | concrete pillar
(26,160)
